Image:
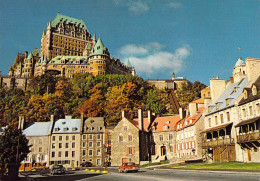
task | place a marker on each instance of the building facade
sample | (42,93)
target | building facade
(93,138)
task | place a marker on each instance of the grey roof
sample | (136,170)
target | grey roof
(67,126)
(38,129)
(231,92)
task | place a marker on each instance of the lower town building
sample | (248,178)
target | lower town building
(38,134)
(107,145)
(188,139)
(164,134)
(130,141)
(92,144)
(248,128)
(65,142)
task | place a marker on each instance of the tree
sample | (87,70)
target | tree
(13,150)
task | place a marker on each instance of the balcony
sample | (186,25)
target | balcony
(217,142)
(248,137)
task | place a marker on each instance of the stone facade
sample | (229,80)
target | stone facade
(93,139)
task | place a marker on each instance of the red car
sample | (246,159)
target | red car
(130,166)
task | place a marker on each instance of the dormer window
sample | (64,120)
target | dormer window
(190,121)
(217,105)
(254,90)
(98,47)
(186,122)
(227,102)
(91,128)
(92,121)
(245,94)
(209,109)
(56,129)
(74,129)
(178,126)
(165,128)
(63,122)
(65,129)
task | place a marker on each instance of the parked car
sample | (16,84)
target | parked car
(57,169)
(86,164)
(130,166)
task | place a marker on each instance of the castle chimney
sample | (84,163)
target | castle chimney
(217,87)
(193,108)
(140,119)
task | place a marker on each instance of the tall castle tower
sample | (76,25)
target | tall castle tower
(65,36)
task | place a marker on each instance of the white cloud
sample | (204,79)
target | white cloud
(138,7)
(176,5)
(151,59)
(134,6)
(140,50)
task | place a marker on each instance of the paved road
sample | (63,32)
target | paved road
(153,175)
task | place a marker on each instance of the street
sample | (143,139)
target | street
(152,175)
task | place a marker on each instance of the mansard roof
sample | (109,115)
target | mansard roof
(62,18)
(67,126)
(38,129)
(68,59)
(231,92)
(30,56)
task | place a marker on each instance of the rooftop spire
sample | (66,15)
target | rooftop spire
(43,33)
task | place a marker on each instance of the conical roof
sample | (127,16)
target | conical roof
(49,26)
(94,37)
(128,64)
(240,62)
(99,48)
(88,46)
(43,33)
(30,56)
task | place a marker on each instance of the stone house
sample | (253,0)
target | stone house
(92,142)
(221,117)
(248,128)
(38,134)
(107,145)
(130,140)
(188,139)
(164,134)
(65,142)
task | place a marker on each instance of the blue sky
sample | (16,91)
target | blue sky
(196,39)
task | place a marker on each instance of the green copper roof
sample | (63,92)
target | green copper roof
(68,59)
(99,48)
(240,62)
(128,64)
(62,18)
(43,33)
(35,52)
(49,26)
(30,56)
(94,37)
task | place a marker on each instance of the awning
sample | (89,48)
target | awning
(248,121)
(216,128)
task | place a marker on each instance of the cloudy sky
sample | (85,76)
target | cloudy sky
(195,39)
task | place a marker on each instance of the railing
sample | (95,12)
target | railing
(255,136)
(217,142)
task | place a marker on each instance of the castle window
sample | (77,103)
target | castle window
(216,120)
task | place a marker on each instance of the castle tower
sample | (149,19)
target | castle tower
(98,58)
(129,66)
(239,70)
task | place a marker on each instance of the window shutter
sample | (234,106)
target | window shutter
(133,150)
(174,149)
(126,150)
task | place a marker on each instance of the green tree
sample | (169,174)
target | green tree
(13,150)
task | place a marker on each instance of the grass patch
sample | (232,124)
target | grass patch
(217,166)
(157,163)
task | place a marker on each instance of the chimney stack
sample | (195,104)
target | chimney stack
(21,122)
(123,113)
(52,117)
(182,113)
(140,119)
(149,116)
(193,108)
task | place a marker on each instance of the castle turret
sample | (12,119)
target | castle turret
(239,70)
(98,58)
